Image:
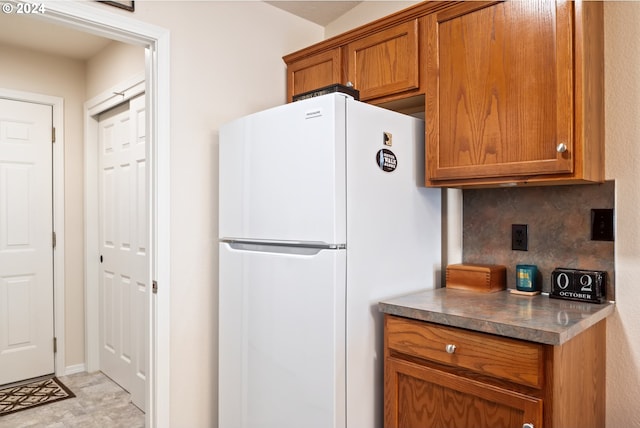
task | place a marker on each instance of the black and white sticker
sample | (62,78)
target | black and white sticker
(386,160)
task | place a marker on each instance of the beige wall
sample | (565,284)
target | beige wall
(30,71)
(622,109)
(116,63)
(364,13)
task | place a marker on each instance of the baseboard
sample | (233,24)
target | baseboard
(77,368)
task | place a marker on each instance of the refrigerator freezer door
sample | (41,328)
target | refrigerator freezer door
(282,338)
(282,173)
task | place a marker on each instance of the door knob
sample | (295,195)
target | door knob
(562,147)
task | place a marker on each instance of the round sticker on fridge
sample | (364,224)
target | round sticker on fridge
(386,160)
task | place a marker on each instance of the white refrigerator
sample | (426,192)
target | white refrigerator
(322,214)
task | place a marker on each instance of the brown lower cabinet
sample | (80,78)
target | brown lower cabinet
(440,376)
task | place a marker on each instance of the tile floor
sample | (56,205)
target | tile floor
(99,403)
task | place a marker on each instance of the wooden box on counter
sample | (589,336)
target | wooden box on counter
(477,277)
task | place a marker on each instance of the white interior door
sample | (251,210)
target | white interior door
(26,251)
(124,242)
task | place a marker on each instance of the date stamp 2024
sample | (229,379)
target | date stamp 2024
(22,8)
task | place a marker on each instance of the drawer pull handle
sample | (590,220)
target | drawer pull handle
(450,349)
(527,425)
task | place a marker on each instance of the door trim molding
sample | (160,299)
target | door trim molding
(57,105)
(96,20)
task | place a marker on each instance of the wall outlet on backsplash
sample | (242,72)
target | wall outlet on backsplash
(602,224)
(519,237)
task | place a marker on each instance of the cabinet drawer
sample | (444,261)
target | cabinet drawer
(509,359)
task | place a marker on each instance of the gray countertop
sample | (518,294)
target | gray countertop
(534,318)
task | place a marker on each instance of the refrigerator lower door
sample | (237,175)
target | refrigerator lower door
(282,338)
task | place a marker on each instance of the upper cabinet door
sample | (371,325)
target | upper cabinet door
(386,62)
(500,91)
(313,72)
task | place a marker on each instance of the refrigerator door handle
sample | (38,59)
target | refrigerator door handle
(286,247)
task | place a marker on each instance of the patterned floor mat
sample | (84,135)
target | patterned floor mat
(32,394)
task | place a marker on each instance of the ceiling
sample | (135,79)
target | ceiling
(320,12)
(24,31)
(32,33)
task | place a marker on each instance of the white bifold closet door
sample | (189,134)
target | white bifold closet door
(124,243)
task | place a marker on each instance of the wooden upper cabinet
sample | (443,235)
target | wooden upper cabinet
(382,64)
(382,59)
(386,62)
(514,93)
(313,72)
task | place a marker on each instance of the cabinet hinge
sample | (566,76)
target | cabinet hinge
(154,287)
(55,345)
(53,239)
(53,134)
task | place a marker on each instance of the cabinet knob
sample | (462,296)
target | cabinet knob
(527,425)
(349,85)
(562,147)
(450,349)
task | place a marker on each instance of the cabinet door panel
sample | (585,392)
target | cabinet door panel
(418,396)
(499,96)
(386,62)
(313,72)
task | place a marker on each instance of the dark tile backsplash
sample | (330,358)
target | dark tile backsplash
(559,226)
